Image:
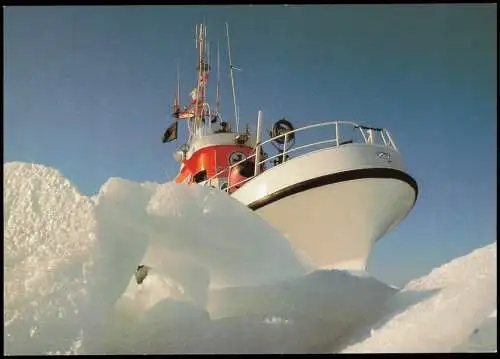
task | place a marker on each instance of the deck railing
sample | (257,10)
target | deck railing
(332,134)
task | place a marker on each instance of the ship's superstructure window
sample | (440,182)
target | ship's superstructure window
(200,176)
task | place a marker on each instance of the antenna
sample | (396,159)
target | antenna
(232,78)
(217,99)
(204,30)
(178,86)
(208,54)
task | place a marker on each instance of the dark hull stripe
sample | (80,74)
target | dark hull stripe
(335,178)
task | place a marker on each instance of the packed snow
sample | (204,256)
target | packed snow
(220,280)
(457,296)
(482,339)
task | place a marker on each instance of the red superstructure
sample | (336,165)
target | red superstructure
(211,146)
(212,160)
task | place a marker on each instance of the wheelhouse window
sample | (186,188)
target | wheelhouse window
(200,176)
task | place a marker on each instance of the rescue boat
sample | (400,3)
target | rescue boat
(331,188)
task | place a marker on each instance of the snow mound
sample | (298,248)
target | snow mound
(451,301)
(70,259)
(50,249)
(219,234)
(221,280)
(309,314)
(169,327)
(482,340)
(320,309)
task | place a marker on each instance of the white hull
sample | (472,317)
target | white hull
(333,204)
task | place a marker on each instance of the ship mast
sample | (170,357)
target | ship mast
(198,111)
(199,89)
(198,93)
(231,67)
(217,99)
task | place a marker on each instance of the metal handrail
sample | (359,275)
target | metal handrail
(228,168)
(368,134)
(293,149)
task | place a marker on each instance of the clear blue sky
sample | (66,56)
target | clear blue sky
(88,91)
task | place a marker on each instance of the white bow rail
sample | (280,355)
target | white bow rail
(369,136)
